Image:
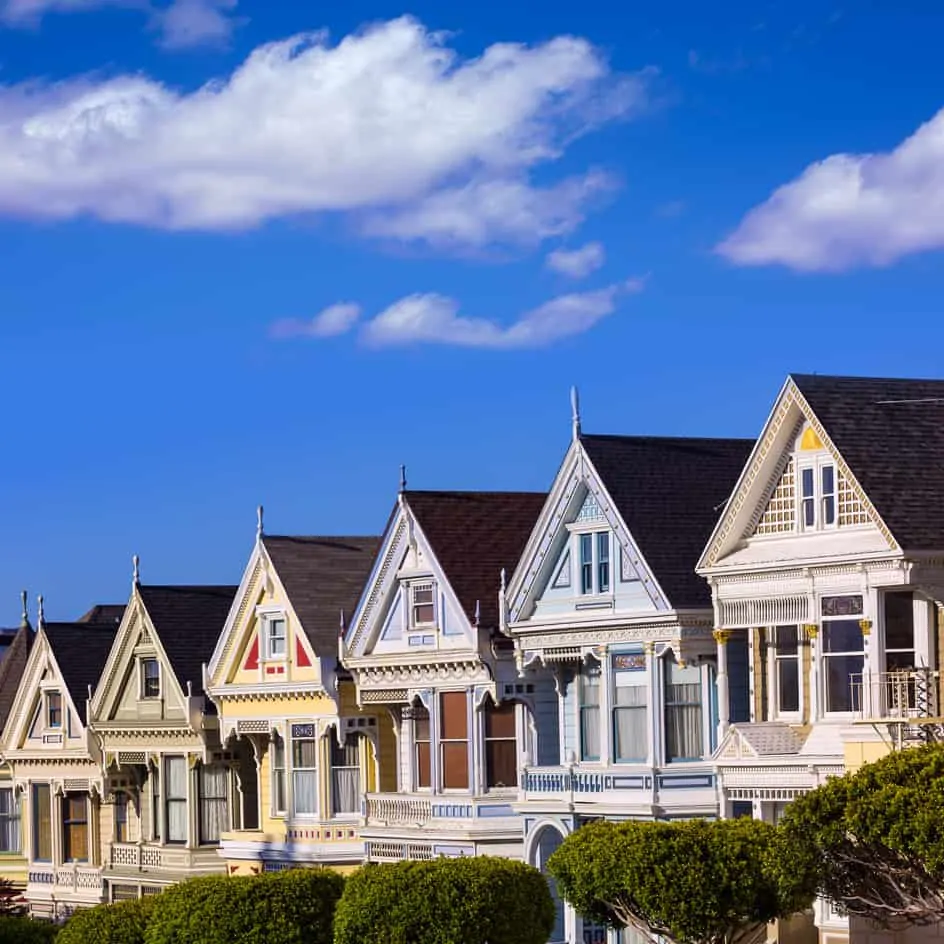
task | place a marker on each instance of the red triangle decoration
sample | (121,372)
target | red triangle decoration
(301,656)
(252,660)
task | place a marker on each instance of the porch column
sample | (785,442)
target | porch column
(721,637)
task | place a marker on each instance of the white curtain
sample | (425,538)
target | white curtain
(630,717)
(175,789)
(9,821)
(590,712)
(683,727)
(305,776)
(213,806)
(345,776)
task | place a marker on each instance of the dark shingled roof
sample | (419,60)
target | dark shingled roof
(670,493)
(103,614)
(474,535)
(322,575)
(12,667)
(188,621)
(81,650)
(891,434)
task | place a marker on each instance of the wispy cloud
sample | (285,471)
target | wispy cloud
(334,320)
(435,319)
(181,24)
(851,209)
(389,126)
(577,263)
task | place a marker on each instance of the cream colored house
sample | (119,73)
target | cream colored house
(168,790)
(287,707)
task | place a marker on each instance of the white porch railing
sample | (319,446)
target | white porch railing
(133,855)
(899,695)
(404,809)
(79,878)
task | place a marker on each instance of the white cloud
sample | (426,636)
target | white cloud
(389,125)
(181,24)
(577,263)
(334,320)
(433,318)
(851,209)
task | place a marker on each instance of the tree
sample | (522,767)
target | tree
(877,837)
(692,882)
(12,901)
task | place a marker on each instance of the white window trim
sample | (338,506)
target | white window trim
(265,615)
(273,804)
(291,812)
(411,587)
(773,677)
(822,657)
(593,528)
(160,679)
(816,463)
(706,683)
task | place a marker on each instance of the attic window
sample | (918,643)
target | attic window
(53,710)
(423,611)
(276,638)
(817,495)
(150,678)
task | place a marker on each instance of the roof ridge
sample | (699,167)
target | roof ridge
(644,437)
(464,492)
(868,377)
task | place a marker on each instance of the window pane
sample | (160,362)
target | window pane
(42,823)
(455,759)
(807,480)
(455,720)
(829,486)
(809,512)
(345,775)
(843,674)
(829,510)
(214,818)
(899,621)
(630,723)
(787,640)
(501,763)
(683,717)
(842,636)
(586,563)
(590,733)
(305,791)
(423,766)
(603,562)
(788,684)
(304,753)
(500,720)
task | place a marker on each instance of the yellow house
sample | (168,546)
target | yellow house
(284,700)
(169,790)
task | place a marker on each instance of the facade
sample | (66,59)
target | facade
(827,575)
(168,791)
(424,648)
(606,600)
(288,709)
(56,765)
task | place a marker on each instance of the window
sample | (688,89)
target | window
(595,571)
(844,659)
(53,710)
(454,740)
(278,774)
(175,798)
(345,776)
(9,820)
(156,803)
(75,827)
(630,708)
(150,678)
(818,496)
(501,745)
(304,769)
(603,562)
(276,637)
(684,739)
(422,747)
(586,563)
(42,822)
(900,694)
(121,817)
(424,605)
(787,660)
(590,712)
(214,818)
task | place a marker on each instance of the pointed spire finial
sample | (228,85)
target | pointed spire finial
(135,569)
(343,624)
(41,611)
(575,411)
(402,478)
(478,612)
(24,614)
(260,521)
(503,580)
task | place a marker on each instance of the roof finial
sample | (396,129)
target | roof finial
(24,615)
(260,521)
(135,569)
(40,612)
(478,613)
(575,411)
(343,624)
(503,580)
(402,478)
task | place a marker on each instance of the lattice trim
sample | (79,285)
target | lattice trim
(238,625)
(779,516)
(850,510)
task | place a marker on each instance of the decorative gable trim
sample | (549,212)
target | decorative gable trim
(245,600)
(734,746)
(576,471)
(753,490)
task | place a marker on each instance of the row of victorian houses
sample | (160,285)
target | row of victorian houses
(679,628)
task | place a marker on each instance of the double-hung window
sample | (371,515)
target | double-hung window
(901,696)
(278,774)
(595,569)
(501,746)
(589,692)
(630,707)
(345,776)
(156,806)
(9,820)
(150,678)
(843,653)
(422,747)
(42,822)
(121,816)
(454,740)
(304,769)
(176,773)
(53,710)
(75,847)
(214,809)
(786,644)
(817,495)
(423,608)
(276,635)
(684,736)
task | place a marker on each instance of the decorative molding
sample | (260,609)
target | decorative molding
(721,636)
(379,581)
(866,626)
(384,676)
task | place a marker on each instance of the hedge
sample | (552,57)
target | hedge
(123,922)
(480,900)
(290,907)
(26,931)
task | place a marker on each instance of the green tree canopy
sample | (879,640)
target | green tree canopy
(694,882)
(877,837)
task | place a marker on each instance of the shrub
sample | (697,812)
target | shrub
(121,923)
(694,882)
(291,907)
(26,931)
(481,900)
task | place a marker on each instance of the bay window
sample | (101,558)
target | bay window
(843,653)
(75,846)
(214,810)
(345,775)
(630,707)
(589,694)
(501,745)
(684,736)
(454,740)
(175,799)
(304,769)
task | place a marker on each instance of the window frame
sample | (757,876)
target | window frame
(816,466)
(422,586)
(41,812)
(68,821)
(279,774)
(351,740)
(641,661)
(595,570)
(305,732)
(452,741)
(490,738)
(701,702)
(52,725)
(775,683)
(144,663)
(120,821)
(419,716)
(270,620)
(11,822)
(824,655)
(169,801)
(211,802)
(590,669)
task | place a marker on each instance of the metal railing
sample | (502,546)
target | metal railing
(899,694)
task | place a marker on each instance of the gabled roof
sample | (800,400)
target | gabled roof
(322,576)
(771,738)
(669,493)
(12,668)
(474,535)
(890,432)
(104,614)
(188,621)
(81,650)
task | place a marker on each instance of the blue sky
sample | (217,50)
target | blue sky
(242,267)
